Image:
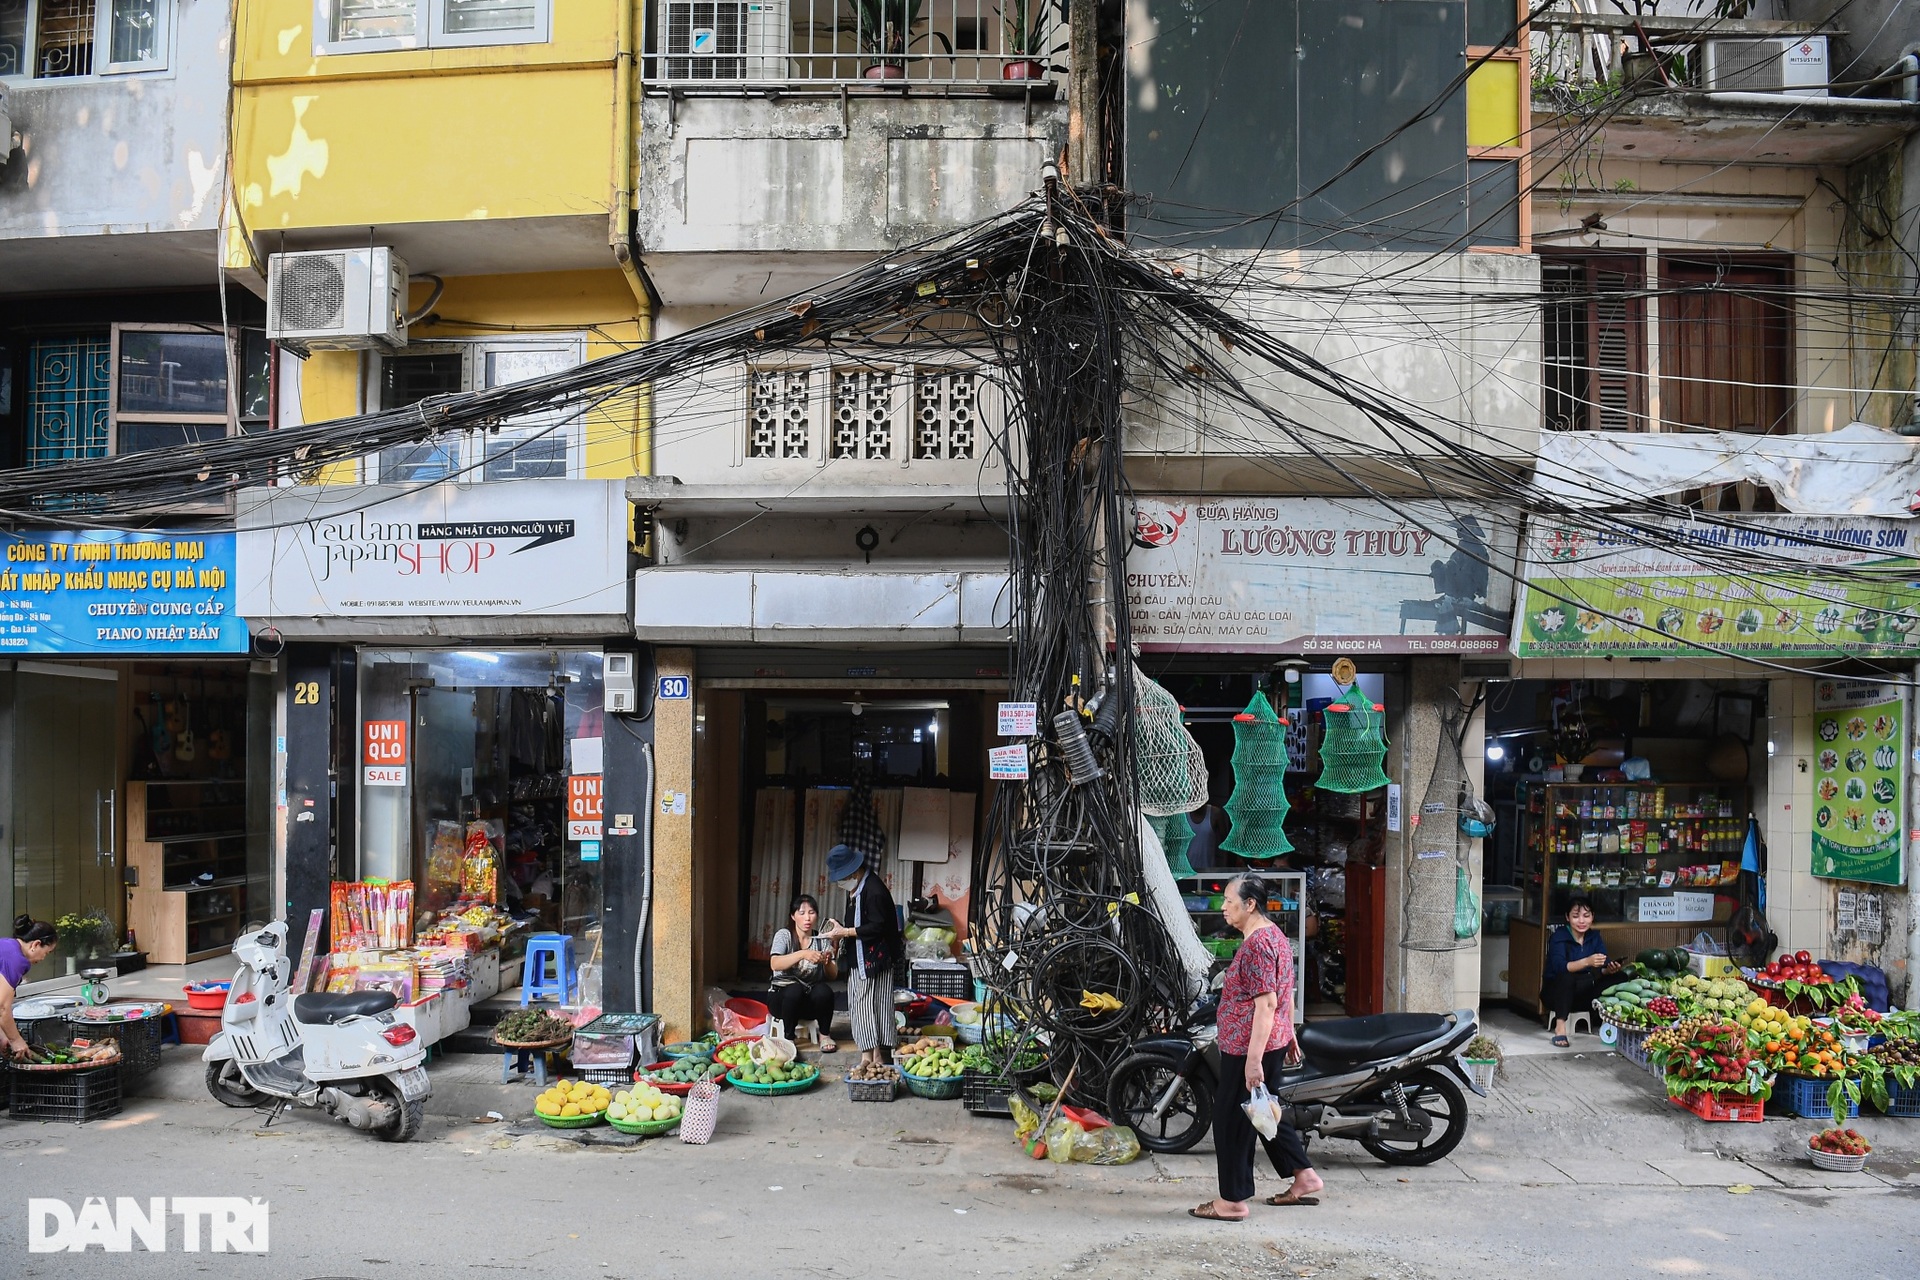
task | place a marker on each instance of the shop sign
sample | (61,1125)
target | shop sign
(1310,575)
(106,593)
(533,548)
(1593,594)
(1676,907)
(583,807)
(383,753)
(1019,719)
(1007,764)
(1859,786)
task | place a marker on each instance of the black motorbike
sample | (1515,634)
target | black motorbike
(1391,1082)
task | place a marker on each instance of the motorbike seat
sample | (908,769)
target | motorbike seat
(327,1008)
(1346,1041)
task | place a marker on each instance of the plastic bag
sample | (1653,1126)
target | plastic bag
(1071,1141)
(1115,1144)
(1263,1110)
(773,1047)
(1024,1119)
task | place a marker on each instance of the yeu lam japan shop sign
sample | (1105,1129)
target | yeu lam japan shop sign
(549,547)
(1308,575)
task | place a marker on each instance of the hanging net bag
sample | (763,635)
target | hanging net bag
(1439,910)
(1259,805)
(1169,768)
(1353,745)
(1175,834)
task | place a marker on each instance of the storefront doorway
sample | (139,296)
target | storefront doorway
(1632,794)
(468,757)
(64,782)
(808,756)
(136,797)
(1339,839)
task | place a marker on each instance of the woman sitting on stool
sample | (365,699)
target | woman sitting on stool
(1577,967)
(802,968)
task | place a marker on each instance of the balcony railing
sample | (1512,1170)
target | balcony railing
(906,42)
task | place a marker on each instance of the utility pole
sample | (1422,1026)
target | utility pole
(1086,144)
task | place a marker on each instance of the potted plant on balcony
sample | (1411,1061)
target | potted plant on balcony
(1026,23)
(883,27)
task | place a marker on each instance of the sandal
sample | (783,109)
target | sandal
(1284,1199)
(827,1045)
(1561,1042)
(1207,1211)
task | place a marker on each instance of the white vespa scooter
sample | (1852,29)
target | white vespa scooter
(346,1054)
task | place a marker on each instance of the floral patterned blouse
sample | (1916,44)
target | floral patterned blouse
(1262,966)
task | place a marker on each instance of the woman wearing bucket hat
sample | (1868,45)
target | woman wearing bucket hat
(875,937)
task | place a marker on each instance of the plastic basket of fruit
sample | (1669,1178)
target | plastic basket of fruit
(689,1050)
(933,1071)
(585,1120)
(877,1084)
(1903,1100)
(733,1053)
(678,1077)
(645,1128)
(1632,1045)
(1720,1107)
(774,1080)
(646,1111)
(1808,1098)
(1839,1151)
(572,1104)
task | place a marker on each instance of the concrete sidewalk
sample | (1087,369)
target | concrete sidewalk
(1583,1117)
(1577,1157)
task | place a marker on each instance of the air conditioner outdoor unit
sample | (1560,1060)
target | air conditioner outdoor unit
(1794,67)
(337,299)
(725,39)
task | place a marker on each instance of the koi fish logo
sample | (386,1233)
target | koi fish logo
(1150,531)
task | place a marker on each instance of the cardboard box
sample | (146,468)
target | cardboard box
(1710,966)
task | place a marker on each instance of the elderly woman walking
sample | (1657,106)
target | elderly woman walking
(1256,1026)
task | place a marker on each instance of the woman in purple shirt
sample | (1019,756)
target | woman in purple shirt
(32,941)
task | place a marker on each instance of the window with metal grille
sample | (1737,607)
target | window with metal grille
(370,26)
(779,421)
(1595,342)
(538,445)
(67,399)
(863,406)
(1726,343)
(946,413)
(65,39)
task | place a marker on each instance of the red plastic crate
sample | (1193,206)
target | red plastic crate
(1722,1106)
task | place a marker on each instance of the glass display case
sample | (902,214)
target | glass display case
(1203,894)
(1621,843)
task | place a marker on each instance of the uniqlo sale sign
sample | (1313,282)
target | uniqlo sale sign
(383,753)
(583,807)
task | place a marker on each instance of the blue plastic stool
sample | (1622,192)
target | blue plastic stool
(534,982)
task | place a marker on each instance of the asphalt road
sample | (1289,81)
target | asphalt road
(1574,1164)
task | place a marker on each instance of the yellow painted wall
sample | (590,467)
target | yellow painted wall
(511,131)
(597,303)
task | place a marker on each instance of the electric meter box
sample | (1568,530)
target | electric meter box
(617,673)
